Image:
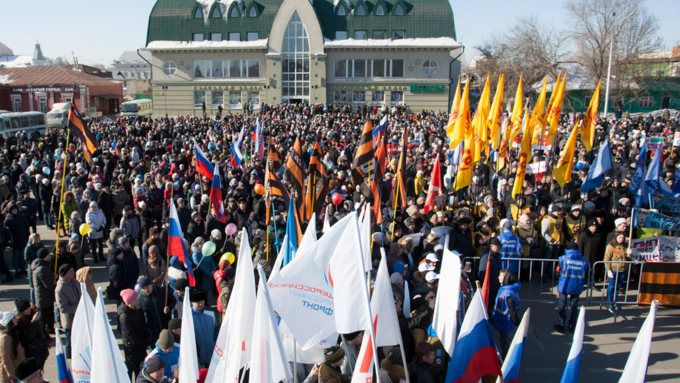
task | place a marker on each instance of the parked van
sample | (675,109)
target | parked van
(58,116)
(141,107)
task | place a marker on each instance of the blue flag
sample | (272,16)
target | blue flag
(291,233)
(640,170)
(603,162)
(652,178)
(676,185)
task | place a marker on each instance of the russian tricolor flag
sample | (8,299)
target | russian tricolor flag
(379,129)
(203,166)
(63,371)
(216,196)
(236,155)
(176,245)
(573,366)
(475,353)
(512,365)
(259,140)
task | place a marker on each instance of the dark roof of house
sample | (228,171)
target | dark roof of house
(49,75)
(173,20)
(103,73)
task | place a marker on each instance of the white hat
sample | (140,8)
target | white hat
(432,257)
(6,317)
(205,197)
(431,276)
(425,267)
(620,221)
(215,233)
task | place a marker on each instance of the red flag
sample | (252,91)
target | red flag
(435,188)
(487,282)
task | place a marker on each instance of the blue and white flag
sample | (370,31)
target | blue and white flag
(379,129)
(291,234)
(63,372)
(81,340)
(259,140)
(236,155)
(652,177)
(571,370)
(636,366)
(603,162)
(640,169)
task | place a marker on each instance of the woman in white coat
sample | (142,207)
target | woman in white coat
(96,220)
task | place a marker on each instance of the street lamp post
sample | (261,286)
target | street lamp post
(609,70)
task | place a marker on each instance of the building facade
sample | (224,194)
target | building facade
(134,72)
(359,52)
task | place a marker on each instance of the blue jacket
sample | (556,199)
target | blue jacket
(205,329)
(511,248)
(207,268)
(501,312)
(574,270)
(171,360)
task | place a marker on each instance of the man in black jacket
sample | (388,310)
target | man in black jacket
(134,331)
(421,367)
(460,238)
(152,301)
(18,227)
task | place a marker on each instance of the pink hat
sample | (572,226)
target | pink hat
(128,295)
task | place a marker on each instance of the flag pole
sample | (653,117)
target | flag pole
(61,197)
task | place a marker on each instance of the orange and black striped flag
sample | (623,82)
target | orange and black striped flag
(400,186)
(78,128)
(376,184)
(315,192)
(274,191)
(276,158)
(295,173)
(363,159)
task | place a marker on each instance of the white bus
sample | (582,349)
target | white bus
(58,116)
(141,107)
(22,122)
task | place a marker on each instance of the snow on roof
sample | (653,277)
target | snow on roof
(4,79)
(188,45)
(348,4)
(420,42)
(5,50)
(579,77)
(224,6)
(23,61)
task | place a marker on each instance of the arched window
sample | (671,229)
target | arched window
(217,12)
(234,11)
(341,10)
(198,13)
(252,12)
(380,10)
(361,10)
(295,61)
(399,10)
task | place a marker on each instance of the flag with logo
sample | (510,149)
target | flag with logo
(590,120)
(81,340)
(537,121)
(453,115)
(555,108)
(462,127)
(562,171)
(524,159)
(516,118)
(78,128)
(495,118)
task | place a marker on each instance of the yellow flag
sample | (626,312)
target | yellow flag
(466,166)
(454,111)
(524,159)
(516,119)
(503,149)
(556,109)
(537,122)
(496,115)
(590,120)
(552,99)
(562,171)
(481,132)
(461,128)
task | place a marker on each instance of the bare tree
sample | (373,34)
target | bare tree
(597,24)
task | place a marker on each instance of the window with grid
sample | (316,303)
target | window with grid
(216,99)
(295,60)
(16,102)
(646,102)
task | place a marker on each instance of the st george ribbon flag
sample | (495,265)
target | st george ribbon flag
(188,357)
(636,366)
(81,339)
(571,370)
(603,162)
(107,360)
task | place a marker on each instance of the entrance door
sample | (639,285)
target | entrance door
(665,103)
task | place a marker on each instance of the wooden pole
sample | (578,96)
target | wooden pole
(61,200)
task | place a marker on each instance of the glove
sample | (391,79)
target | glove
(610,274)
(629,251)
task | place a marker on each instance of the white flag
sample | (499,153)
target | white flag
(636,366)
(445,317)
(326,222)
(346,276)
(385,321)
(107,360)
(268,362)
(406,308)
(188,357)
(232,349)
(309,238)
(301,295)
(81,340)
(366,237)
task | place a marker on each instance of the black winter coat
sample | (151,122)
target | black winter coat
(591,245)
(195,230)
(105,203)
(43,283)
(33,339)
(135,332)
(18,226)
(152,305)
(461,241)
(117,277)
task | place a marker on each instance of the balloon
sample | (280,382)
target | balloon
(337,199)
(46,170)
(208,248)
(259,189)
(229,257)
(230,229)
(113,145)
(579,165)
(138,288)
(84,229)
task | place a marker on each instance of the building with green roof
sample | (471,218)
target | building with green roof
(356,52)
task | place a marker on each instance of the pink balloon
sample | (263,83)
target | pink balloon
(230,229)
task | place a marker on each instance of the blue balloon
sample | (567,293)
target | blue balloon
(46,170)
(579,165)
(113,145)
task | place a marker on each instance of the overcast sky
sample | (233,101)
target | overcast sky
(98,32)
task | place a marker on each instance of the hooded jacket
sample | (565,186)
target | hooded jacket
(506,309)
(96,220)
(81,276)
(574,272)
(134,331)
(43,283)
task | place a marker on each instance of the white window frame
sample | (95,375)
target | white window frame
(213,99)
(430,72)
(196,105)
(240,99)
(43,97)
(15,99)
(169,68)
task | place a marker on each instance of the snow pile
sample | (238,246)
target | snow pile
(4,79)
(172,45)
(420,42)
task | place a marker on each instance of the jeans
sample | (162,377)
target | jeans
(572,301)
(505,341)
(613,291)
(32,300)
(67,342)
(18,262)
(97,248)
(133,368)
(551,252)
(47,216)
(57,317)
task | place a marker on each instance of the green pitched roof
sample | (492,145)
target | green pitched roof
(174,19)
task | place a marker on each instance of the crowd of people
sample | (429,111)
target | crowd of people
(115,209)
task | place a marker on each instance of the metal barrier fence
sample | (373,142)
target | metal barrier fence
(541,277)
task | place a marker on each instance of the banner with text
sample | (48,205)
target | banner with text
(662,249)
(652,220)
(664,203)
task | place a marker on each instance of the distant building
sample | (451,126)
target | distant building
(93,70)
(9,60)
(345,52)
(134,72)
(38,88)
